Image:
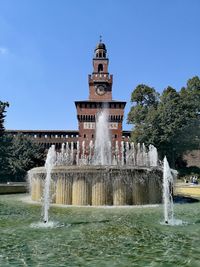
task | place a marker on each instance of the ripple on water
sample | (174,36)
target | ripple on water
(48,225)
(174,222)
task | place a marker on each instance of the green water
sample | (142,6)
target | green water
(97,237)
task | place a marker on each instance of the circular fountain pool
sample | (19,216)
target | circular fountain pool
(99,185)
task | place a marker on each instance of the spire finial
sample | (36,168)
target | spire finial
(100,38)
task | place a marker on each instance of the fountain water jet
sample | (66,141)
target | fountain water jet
(102,149)
(167,193)
(49,164)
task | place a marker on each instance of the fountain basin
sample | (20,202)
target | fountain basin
(99,185)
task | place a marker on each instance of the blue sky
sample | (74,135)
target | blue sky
(46,49)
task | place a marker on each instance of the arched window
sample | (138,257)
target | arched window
(100,68)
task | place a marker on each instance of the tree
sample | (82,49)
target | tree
(3,106)
(18,153)
(143,114)
(21,154)
(169,121)
(145,98)
(5,151)
(24,155)
(4,144)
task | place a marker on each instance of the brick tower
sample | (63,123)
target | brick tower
(100,96)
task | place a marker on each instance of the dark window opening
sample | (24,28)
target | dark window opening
(100,67)
(92,136)
(115,135)
(84,135)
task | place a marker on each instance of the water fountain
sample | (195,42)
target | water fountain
(169,176)
(167,193)
(102,148)
(102,174)
(49,164)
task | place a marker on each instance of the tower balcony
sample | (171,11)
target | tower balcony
(100,77)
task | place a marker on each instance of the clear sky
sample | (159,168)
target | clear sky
(46,50)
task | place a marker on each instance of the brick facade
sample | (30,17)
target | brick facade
(87,113)
(49,137)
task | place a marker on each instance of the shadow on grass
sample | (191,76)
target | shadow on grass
(183,199)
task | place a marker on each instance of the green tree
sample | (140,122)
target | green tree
(143,114)
(24,155)
(5,151)
(3,106)
(4,143)
(170,121)
(143,98)
(18,153)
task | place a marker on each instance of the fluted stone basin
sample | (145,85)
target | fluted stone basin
(99,185)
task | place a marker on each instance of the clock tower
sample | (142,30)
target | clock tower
(100,97)
(100,82)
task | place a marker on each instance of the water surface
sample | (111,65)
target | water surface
(97,236)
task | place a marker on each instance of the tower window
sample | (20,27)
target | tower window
(100,54)
(104,54)
(100,67)
(84,136)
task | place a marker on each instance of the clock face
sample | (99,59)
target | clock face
(100,90)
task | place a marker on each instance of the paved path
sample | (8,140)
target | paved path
(187,189)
